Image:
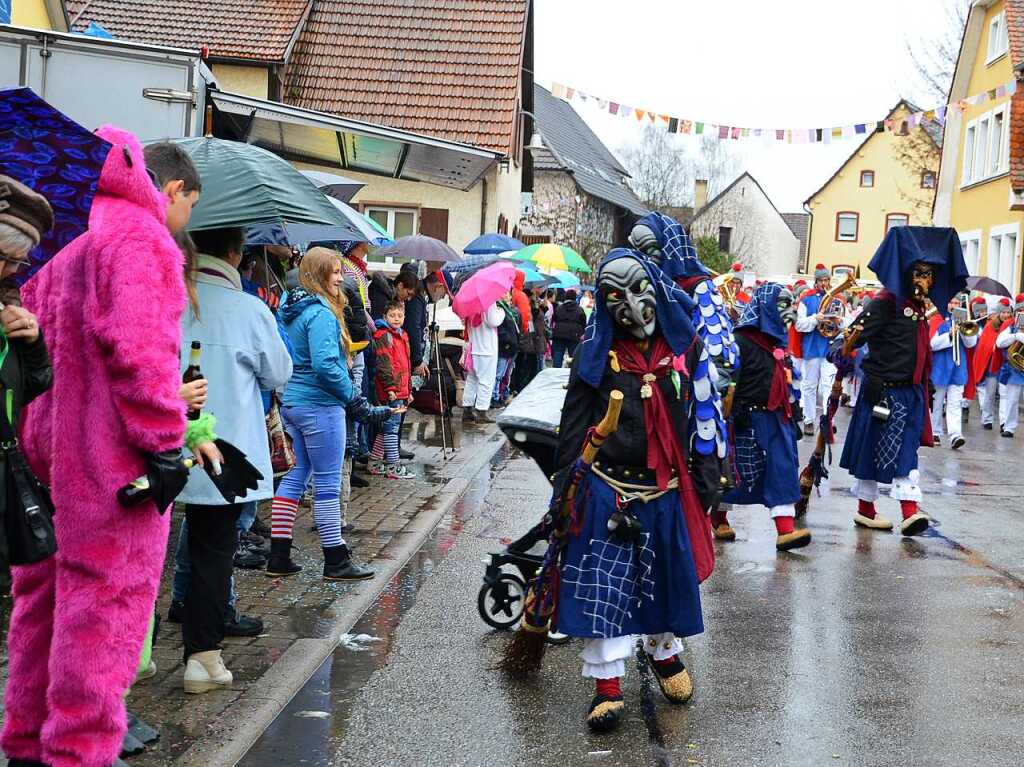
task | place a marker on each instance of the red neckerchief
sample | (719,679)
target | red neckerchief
(778,392)
(923,362)
(690,283)
(663,451)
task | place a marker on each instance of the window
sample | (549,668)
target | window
(971,244)
(896,219)
(867,178)
(397,222)
(998,41)
(986,146)
(928,179)
(1002,253)
(724,238)
(847,225)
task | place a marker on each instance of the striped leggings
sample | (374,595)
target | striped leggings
(318,436)
(385,447)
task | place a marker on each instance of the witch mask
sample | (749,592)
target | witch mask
(629,297)
(643,238)
(787,309)
(922,277)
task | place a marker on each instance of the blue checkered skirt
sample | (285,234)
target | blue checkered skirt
(883,450)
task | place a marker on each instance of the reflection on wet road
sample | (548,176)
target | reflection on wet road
(862,649)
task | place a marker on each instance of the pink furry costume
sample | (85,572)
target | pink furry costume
(110,304)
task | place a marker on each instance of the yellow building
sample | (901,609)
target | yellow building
(39,14)
(888,181)
(981,183)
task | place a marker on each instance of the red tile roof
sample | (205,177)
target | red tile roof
(1015,32)
(255,30)
(446,68)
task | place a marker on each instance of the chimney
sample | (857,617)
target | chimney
(700,194)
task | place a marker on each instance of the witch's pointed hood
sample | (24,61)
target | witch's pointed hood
(903,246)
(678,256)
(762,313)
(673,309)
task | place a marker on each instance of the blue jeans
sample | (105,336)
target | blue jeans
(505,365)
(558,351)
(318,437)
(183,564)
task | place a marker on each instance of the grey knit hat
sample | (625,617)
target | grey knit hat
(24,209)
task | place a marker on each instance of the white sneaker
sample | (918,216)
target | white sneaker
(147,673)
(205,671)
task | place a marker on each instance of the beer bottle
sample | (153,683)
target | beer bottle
(193,373)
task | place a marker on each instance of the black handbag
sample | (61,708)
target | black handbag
(28,517)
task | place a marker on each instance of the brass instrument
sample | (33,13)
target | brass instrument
(833,310)
(961,325)
(1015,354)
(724,284)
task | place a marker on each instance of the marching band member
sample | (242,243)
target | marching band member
(794,346)
(891,420)
(988,361)
(950,374)
(740,296)
(817,371)
(1009,399)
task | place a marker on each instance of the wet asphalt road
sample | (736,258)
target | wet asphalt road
(862,649)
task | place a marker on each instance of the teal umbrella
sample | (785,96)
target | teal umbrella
(245,185)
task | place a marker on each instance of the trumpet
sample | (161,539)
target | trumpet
(833,309)
(961,326)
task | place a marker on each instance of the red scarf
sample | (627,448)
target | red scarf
(664,452)
(778,392)
(360,263)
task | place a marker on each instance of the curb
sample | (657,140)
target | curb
(233,733)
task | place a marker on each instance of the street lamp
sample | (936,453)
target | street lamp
(536,140)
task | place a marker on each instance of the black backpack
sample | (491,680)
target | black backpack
(508,333)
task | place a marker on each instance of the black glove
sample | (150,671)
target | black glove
(237,476)
(167,475)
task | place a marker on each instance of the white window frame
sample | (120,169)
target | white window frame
(970,242)
(391,211)
(996,266)
(889,216)
(998,43)
(839,226)
(977,160)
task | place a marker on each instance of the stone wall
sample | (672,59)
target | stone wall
(588,226)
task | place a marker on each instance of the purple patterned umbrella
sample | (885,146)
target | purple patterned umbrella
(48,151)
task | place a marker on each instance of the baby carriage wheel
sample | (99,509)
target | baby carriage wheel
(501,601)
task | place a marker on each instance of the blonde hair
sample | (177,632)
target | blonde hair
(315,269)
(191,254)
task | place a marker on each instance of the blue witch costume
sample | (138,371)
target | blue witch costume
(678,261)
(765,437)
(897,366)
(660,469)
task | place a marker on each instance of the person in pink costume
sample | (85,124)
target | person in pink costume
(111,304)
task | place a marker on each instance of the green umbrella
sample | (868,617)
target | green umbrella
(245,185)
(548,256)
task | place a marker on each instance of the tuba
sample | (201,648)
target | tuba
(1015,354)
(833,309)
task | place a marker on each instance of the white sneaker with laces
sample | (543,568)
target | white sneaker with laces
(205,671)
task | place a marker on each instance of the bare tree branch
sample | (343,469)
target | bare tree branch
(934,59)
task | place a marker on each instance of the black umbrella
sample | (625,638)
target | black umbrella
(988,285)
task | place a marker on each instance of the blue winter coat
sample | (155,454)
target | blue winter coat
(320,374)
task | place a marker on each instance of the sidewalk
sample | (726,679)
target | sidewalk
(304,615)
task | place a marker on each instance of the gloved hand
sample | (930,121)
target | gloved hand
(168,475)
(236,476)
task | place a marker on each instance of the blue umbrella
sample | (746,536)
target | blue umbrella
(492,244)
(565,279)
(48,151)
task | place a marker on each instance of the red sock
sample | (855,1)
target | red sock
(866,508)
(609,688)
(282,517)
(909,508)
(783,525)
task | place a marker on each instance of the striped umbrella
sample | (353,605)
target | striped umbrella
(548,256)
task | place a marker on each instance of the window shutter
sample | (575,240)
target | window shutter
(434,223)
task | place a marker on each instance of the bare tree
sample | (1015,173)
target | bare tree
(747,237)
(934,58)
(660,170)
(716,163)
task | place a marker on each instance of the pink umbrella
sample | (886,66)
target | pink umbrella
(482,290)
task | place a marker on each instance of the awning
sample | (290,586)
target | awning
(324,139)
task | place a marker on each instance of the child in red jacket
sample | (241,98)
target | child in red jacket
(393,383)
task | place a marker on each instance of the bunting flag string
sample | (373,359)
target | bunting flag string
(672,124)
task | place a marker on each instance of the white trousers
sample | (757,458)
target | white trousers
(606,658)
(953,396)
(1009,407)
(903,488)
(987,398)
(789,510)
(480,382)
(818,375)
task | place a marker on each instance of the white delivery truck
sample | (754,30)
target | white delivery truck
(154,91)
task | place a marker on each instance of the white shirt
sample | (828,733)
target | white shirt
(1008,337)
(483,338)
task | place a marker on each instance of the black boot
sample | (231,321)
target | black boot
(280,564)
(338,565)
(359,482)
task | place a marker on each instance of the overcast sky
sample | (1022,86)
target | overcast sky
(782,64)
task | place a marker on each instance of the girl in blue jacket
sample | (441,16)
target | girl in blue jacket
(313,411)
